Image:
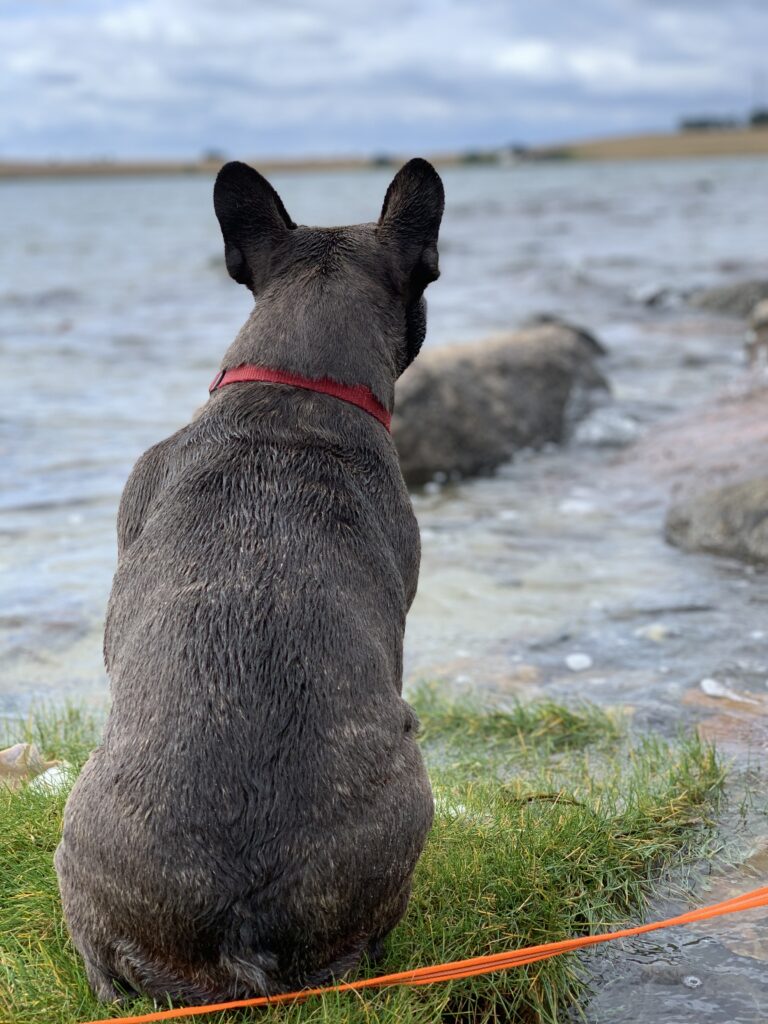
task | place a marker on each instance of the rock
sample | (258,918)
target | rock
(55,779)
(731,521)
(756,346)
(540,319)
(22,762)
(759,317)
(465,409)
(723,441)
(714,688)
(657,632)
(731,299)
(606,427)
(713,465)
(659,296)
(578,662)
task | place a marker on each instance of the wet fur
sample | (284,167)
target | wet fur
(251,822)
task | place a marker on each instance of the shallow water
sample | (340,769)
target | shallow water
(115,308)
(114,311)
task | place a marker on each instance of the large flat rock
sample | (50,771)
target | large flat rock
(722,442)
(463,410)
(713,464)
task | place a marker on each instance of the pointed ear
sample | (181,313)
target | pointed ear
(410,221)
(253,221)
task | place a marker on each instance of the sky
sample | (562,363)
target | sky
(175,78)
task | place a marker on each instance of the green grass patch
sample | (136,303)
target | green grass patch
(551,822)
(466,728)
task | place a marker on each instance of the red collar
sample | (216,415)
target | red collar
(355,394)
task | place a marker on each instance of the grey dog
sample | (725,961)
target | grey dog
(252,820)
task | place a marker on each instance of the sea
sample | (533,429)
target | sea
(115,309)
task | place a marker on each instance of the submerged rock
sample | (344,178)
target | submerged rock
(607,427)
(731,299)
(659,296)
(465,409)
(731,521)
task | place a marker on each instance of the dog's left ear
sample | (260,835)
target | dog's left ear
(410,222)
(253,222)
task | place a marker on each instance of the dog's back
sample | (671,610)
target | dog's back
(252,820)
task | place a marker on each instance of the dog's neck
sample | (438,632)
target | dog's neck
(357,395)
(322,341)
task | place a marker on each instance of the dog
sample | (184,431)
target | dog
(252,819)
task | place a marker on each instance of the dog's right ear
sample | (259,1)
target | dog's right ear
(410,222)
(253,221)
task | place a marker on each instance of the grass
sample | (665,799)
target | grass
(543,726)
(551,822)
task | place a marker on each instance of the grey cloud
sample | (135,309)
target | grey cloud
(135,77)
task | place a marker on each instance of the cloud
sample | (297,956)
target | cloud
(173,77)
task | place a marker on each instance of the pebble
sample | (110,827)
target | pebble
(525,674)
(656,631)
(714,688)
(607,428)
(578,661)
(576,507)
(53,780)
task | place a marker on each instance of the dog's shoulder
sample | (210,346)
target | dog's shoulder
(147,478)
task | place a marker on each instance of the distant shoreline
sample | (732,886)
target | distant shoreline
(665,145)
(140,168)
(672,145)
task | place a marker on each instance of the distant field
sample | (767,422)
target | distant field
(108,168)
(720,142)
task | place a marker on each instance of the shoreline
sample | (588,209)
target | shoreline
(726,142)
(731,142)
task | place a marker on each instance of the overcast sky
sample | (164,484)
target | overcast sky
(133,78)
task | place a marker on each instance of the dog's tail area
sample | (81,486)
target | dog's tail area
(229,978)
(244,976)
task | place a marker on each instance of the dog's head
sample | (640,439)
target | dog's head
(348,287)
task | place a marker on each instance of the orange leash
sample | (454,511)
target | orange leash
(464,968)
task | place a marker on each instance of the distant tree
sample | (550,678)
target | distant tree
(479,156)
(705,123)
(213,156)
(759,117)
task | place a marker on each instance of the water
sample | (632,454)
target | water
(115,309)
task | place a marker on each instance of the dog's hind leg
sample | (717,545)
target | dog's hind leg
(194,984)
(103,983)
(377,943)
